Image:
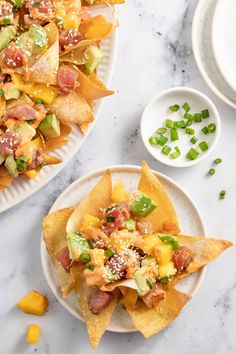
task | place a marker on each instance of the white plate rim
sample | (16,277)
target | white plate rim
(215,46)
(58,168)
(217,121)
(198,60)
(90,175)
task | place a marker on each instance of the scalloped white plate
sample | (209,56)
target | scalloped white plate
(23,188)
(191,223)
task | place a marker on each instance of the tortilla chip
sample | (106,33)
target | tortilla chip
(54,233)
(151,321)
(51,160)
(96,200)
(44,70)
(72,108)
(104,2)
(75,54)
(54,143)
(83,128)
(91,88)
(95,28)
(96,324)
(204,250)
(5,178)
(165,212)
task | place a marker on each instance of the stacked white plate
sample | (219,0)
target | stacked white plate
(214,46)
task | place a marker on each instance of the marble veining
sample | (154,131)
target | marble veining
(154,53)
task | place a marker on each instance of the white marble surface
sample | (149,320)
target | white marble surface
(154,53)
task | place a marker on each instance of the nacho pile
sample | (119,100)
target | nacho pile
(125,247)
(49,55)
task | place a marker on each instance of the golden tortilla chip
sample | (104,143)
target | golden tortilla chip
(72,108)
(75,54)
(83,128)
(54,143)
(96,324)
(91,88)
(165,212)
(97,199)
(151,321)
(54,233)
(104,2)
(44,70)
(5,178)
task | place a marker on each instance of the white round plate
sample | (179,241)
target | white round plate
(23,188)
(224,39)
(191,223)
(157,111)
(203,52)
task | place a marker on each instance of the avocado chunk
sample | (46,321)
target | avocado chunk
(142,282)
(6,35)
(148,261)
(77,244)
(93,56)
(25,43)
(50,126)
(39,36)
(2,159)
(26,132)
(12,93)
(142,205)
(11,166)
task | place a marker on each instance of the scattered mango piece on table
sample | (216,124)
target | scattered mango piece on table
(34,303)
(33,333)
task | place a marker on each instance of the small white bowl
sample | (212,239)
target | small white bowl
(157,111)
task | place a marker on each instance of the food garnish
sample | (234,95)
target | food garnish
(34,303)
(33,333)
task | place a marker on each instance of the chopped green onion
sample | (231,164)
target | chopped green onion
(6,22)
(212,171)
(218,160)
(149,283)
(153,140)
(177,149)
(1,92)
(174,155)
(203,146)
(222,194)
(36,4)
(189,131)
(193,140)
(18,3)
(188,116)
(205,114)
(162,140)
(167,279)
(180,124)
(174,108)
(21,163)
(192,154)
(174,135)
(170,240)
(85,257)
(110,252)
(212,128)
(161,131)
(205,130)
(39,101)
(90,266)
(166,150)
(170,123)
(198,117)
(110,219)
(186,107)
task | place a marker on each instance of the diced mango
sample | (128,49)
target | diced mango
(119,193)
(33,334)
(97,257)
(44,92)
(152,241)
(34,303)
(31,174)
(96,27)
(163,253)
(130,299)
(90,220)
(166,270)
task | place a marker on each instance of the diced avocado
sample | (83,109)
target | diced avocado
(130,224)
(26,131)
(25,43)
(12,93)
(141,282)
(11,166)
(148,261)
(77,244)
(50,126)
(6,35)
(93,56)
(39,36)
(2,159)
(18,3)
(143,205)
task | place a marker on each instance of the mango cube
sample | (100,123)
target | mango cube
(166,270)
(34,303)
(119,193)
(152,241)
(163,253)
(33,334)
(90,221)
